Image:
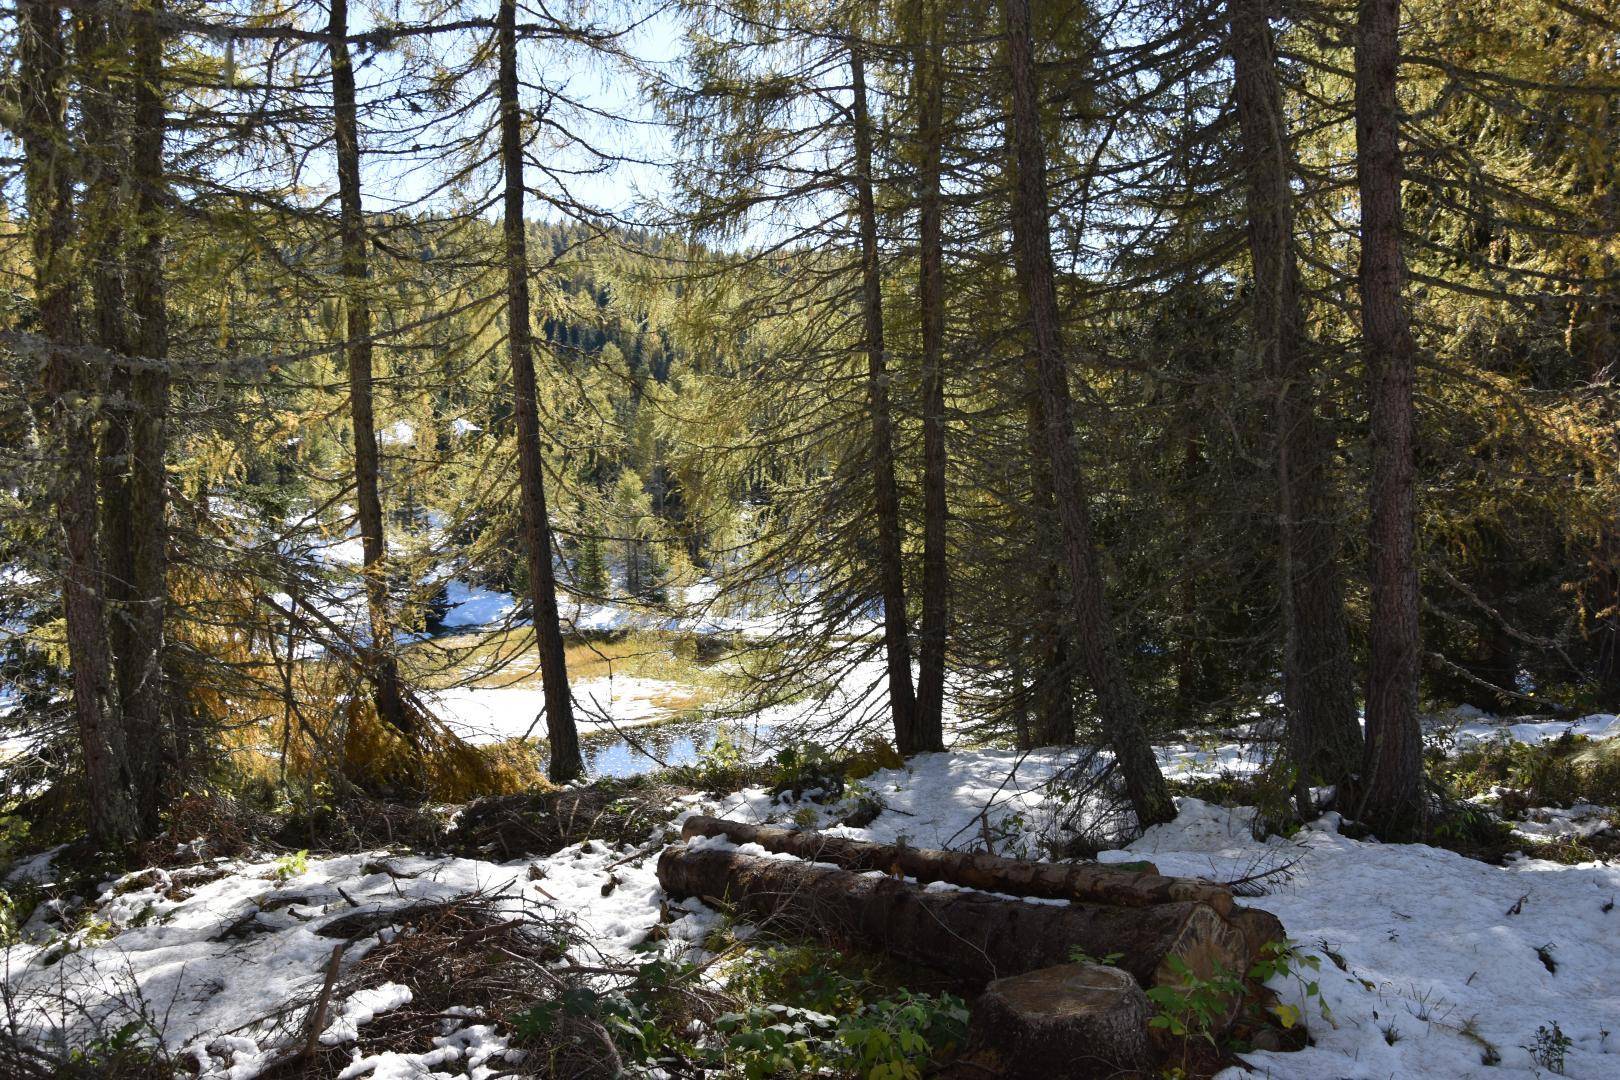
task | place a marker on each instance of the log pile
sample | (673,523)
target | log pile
(1091,882)
(1013,925)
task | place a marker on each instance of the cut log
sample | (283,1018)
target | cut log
(1074,1020)
(1260,928)
(971,935)
(1089,882)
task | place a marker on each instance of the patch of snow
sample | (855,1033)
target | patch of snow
(1446,961)
(482,714)
(1478,727)
(399,433)
(362,1007)
(1440,951)
(474,606)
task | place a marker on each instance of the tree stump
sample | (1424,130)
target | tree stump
(1073,1020)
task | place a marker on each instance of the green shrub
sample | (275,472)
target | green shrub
(887,1032)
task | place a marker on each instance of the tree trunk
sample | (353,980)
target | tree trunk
(1605,590)
(929,75)
(1324,735)
(1118,707)
(1092,882)
(1392,773)
(102,36)
(357,304)
(1052,688)
(886,495)
(972,935)
(566,763)
(142,682)
(66,416)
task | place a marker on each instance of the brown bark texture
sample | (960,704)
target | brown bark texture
(1092,623)
(563,737)
(67,421)
(1392,770)
(1090,882)
(1070,1020)
(384,670)
(1324,734)
(936,583)
(886,493)
(971,935)
(142,683)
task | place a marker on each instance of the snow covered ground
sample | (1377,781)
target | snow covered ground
(1449,965)
(481,714)
(1474,726)
(1433,964)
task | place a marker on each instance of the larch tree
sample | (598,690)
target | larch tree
(1117,704)
(903,704)
(66,406)
(1392,794)
(359,354)
(562,735)
(928,77)
(1324,734)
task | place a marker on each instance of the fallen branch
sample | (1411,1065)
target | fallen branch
(317,1016)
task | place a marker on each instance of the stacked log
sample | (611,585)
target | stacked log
(1091,882)
(970,934)
(1014,925)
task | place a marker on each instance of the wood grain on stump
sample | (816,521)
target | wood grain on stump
(1073,1020)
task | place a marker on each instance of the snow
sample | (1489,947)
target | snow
(399,433)
(362,1007)
(229,956)
(474,606)
(1477,727)
(484,715)
(696,610)
(1581,821)
(1440,951)
(1446,961)
(1429,931)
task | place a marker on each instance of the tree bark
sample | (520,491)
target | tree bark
(566,763)
(1091,882)
(142,682)
(1392,772)
(972,935)
(936,583)
(358,350)
(66,416)
(1117,705)
(886,494)
(1051,689)
(102,36)
(1324,735)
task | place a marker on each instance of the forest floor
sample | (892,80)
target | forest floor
(1429,963)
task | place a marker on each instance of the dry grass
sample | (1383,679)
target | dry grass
(509,658)
(617,812)
(480,959)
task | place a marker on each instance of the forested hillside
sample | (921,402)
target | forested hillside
(1005,442)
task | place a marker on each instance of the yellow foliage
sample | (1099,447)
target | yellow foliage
(305,721)
(874,754)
